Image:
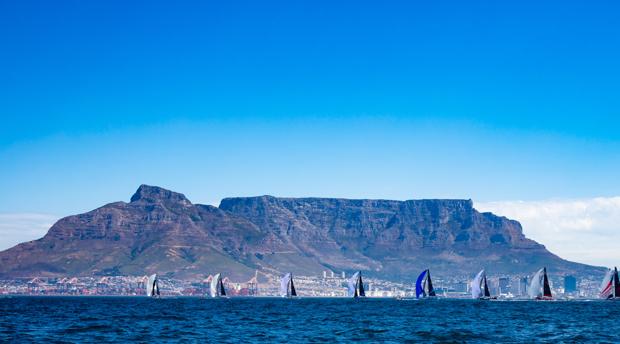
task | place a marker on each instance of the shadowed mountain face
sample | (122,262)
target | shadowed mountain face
(161,231)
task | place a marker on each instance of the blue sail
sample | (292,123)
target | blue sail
(352,284)
(419,288)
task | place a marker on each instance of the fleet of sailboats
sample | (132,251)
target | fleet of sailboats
(356,286)
(287,287)
(610,288)
(152,286)
(217,286)
(424,285)
(539,287)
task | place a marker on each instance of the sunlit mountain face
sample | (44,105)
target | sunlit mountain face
(162,231)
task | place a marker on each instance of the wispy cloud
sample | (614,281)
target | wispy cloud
(583,230)
(19,227)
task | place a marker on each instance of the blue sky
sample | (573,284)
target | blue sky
(488,100)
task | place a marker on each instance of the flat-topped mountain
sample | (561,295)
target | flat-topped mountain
(162,231)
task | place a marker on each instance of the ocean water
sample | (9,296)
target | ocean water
(261,320)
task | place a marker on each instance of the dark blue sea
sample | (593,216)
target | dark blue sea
(264,320)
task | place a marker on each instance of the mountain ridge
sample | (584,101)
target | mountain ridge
(162,231)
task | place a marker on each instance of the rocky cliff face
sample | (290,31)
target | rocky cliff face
(394,238)
(162,231)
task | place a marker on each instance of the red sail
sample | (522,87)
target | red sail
(616,283)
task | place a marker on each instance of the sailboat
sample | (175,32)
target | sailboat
(356,286)
(217,287)
(480,287)
(610,288)
(152,286)
(539,287)
(287,287)
(424,285)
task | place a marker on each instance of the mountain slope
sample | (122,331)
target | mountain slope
(162,231)
(158,230)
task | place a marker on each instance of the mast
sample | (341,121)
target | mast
(546,288)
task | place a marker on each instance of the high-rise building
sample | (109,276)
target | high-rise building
(503,285)
(570,284)
(344,275)
(324,274)
(523,286)
(461,287)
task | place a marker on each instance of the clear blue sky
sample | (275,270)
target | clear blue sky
(489,100)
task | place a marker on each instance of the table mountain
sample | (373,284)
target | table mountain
(162,231)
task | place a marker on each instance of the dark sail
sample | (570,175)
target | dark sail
(293,292)
(431,291)
(616,283)
(546,288)
(360,286)
(155,287)
(486,288)
(222,291)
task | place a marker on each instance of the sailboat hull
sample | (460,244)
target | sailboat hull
(544,298)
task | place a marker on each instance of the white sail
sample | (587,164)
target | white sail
(476,286)
(284,285)
(215,283)
(151,285)
(536,285)
(607,287)
(353,284)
